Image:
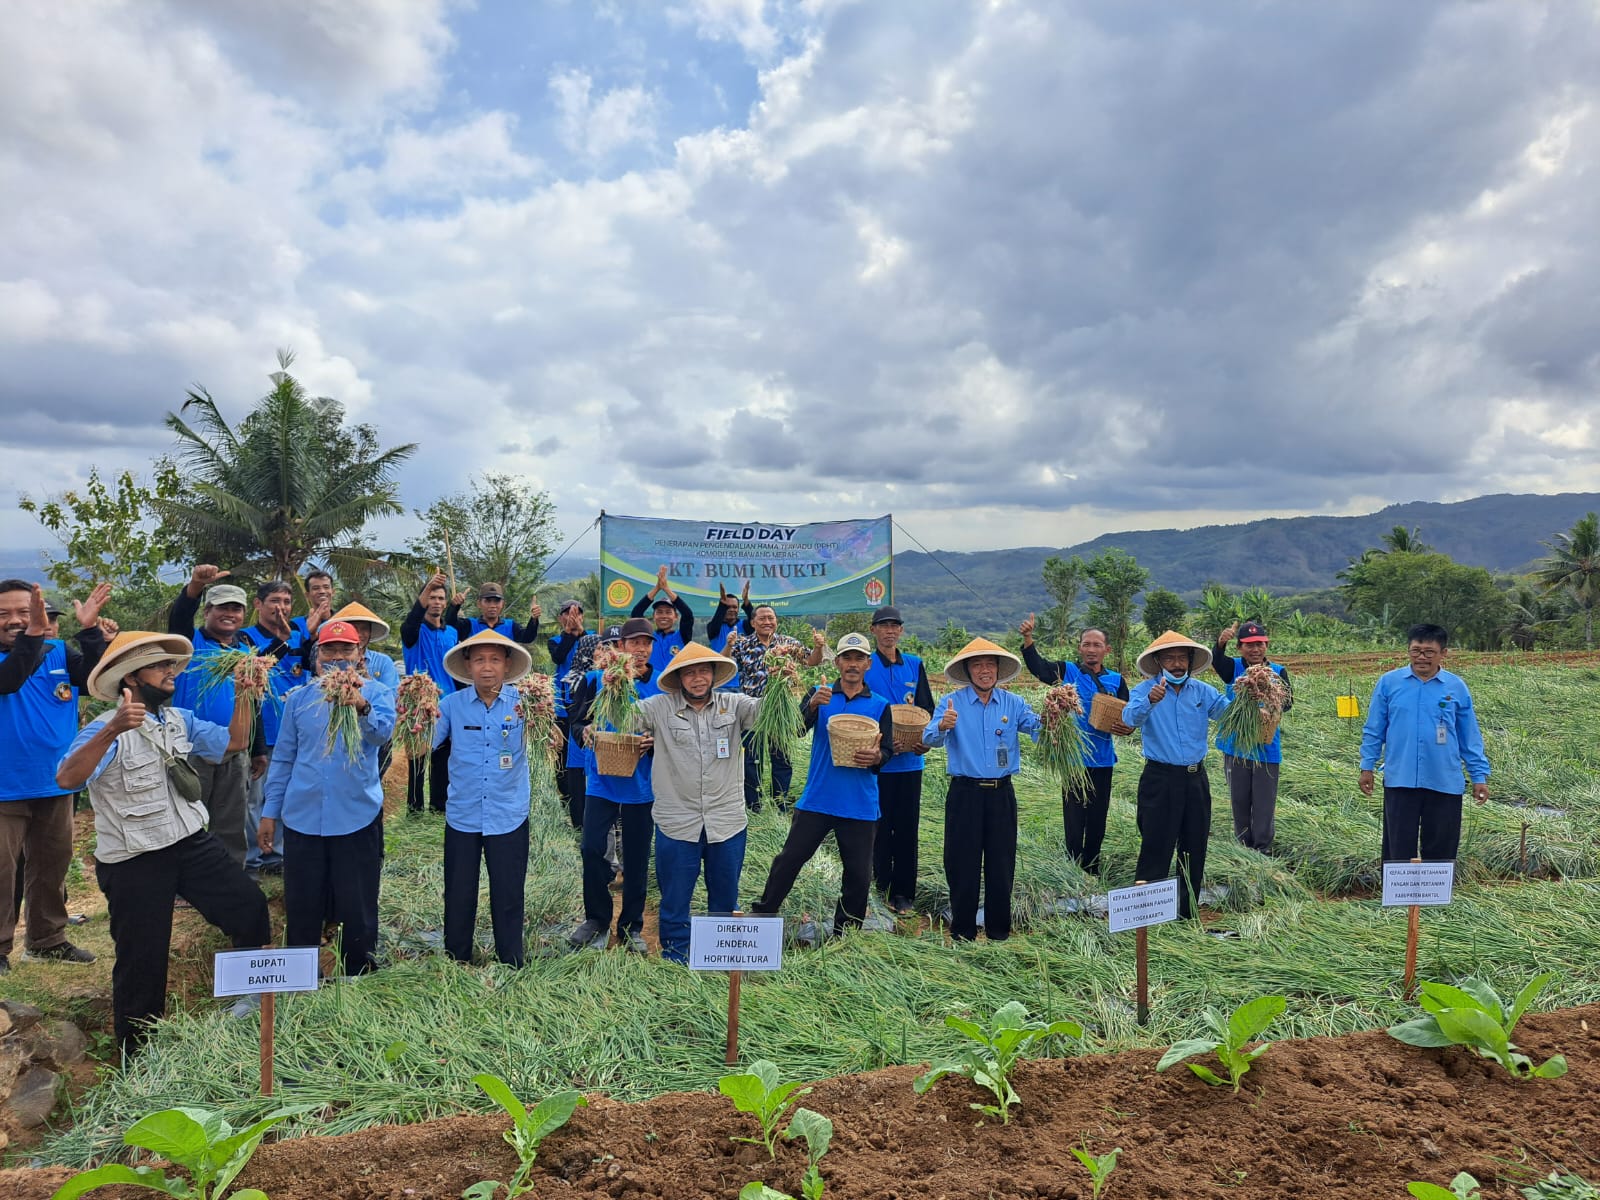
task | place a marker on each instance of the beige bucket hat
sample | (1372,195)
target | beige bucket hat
(132,651)
(1199,660)
(722,667)
(360,612)
(457,667)
(956,671)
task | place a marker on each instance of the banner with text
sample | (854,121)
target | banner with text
(829,567)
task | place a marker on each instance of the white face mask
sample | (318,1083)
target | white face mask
(1174,677)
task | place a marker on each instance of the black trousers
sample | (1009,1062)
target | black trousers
(980,852)
(1083,817)
(334,878)
(506,857)
(569,780)
(638,830)
(806,834)
(139,895)
(1174,813)
(1420,823)
(782,777)
(894,849)
(438,780)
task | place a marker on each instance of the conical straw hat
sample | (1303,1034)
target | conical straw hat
(360,612)
(132,651)
(1199,661)
(723,668)
(1010,664)
(457,667)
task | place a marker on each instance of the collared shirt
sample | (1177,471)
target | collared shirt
(381,667)
(489,791)
(698,789)
(1102,750)
(136,808)
(423,647)
(321,792)
(1232,670)
(986,742)
(39,718)
(902,681)
(750,656)
(1426,731)
(1177,728)
(289,674)
(844,791)
(620,789)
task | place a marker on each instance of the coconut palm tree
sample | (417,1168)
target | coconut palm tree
(1401,540)
(1573,567)
(292,482)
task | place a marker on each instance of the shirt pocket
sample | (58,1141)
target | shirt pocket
(148,823)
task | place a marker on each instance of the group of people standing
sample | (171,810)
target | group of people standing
(196,794)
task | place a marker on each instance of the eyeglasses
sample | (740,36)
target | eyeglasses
(165,665)
(1424,651)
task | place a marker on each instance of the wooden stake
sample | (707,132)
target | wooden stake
(266,1042)
(1413,923)
(1522,848)
(1141,968)
(732,1054)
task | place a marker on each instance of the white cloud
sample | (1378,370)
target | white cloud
(595,128)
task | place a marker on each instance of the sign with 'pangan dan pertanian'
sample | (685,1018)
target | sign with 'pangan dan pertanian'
(825,567)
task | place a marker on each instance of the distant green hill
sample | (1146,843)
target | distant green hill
(1285,555)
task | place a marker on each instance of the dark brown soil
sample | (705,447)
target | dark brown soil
(1356,1116)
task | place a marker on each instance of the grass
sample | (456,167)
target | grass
(402,1044)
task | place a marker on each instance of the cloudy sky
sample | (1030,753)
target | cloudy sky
(1018,272)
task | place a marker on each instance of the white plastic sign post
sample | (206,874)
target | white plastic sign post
(264,973)
(1427,884)
(1137,908)
(735,943)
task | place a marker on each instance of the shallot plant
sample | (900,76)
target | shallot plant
(1062,742)
(1259,697)
(341,688)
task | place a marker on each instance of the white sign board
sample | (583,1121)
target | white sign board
(250,972)
(1425,883)
(1147,904)
(726,943)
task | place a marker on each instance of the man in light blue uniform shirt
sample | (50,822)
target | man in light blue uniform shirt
(1421,721)
(1173,710)
(981,725)
(331,806)
(486,818)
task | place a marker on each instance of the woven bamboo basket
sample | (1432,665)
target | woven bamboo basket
(1105,713)
(848,733)
(909,722)
(617,753)
(1269,728)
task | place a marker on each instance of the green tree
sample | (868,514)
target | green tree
(1398,590)
(1528,615)
(1216,610)
(501,528)
(1064,580)
(1163,610)
(952,637)
(1401,540)
(1258,604)
(113,533)
(293,482)
(1115,578)
(840,624)
(1573,568)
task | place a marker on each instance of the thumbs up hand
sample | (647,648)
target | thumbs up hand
(130,713)
(948,721)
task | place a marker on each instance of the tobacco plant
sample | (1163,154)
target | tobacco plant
(1462,1187)
(759,1093)
(527,1130)
(991,1052)
(1099,1166)
(1472,1015)
(817,1131)
(1243,1026)
(200,1141)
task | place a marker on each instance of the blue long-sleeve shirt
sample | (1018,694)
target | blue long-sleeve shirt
(1177,728)
(320,792)
(986,742)
(1404,723)
(489,790)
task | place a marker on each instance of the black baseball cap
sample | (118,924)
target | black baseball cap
(887,615)
(569,604)
(663,603)
(1251,631)
(491,591)
(613,633)
(636,627)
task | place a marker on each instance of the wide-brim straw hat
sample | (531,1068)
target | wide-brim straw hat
(360,612)
(133,651)
(722,667)
(956,670)
(1199,660)
(519,663)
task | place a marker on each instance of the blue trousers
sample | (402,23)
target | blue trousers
(678,870)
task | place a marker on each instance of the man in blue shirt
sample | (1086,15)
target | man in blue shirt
(842,801)
(1253,778)
(275,636)
(318,587)
(981,725)
(569,621)
(486,819)
(1174,711)
(900,679)
(331,806)
(1421,721)
(491,615)
(425,638)
(725,623)
(1083,814)
(39,682)
(674,621)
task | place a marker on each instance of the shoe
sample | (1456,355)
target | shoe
(5,964)
(633,942)
(272,868)
(590,933)
(65,952)
(901,905)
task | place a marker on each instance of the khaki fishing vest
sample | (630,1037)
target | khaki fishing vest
(136,808)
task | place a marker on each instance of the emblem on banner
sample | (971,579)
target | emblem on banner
(873,590)
(619,594)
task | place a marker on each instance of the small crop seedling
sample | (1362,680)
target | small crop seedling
(1561,1185)
(817,1131)
(1099,1166)
(759,1093)
(1472,1015)
(527,1130)
(991,1053)
(200,1141)
(1244,1026)
(1462,1187)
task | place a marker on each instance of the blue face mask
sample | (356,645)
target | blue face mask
(1172,678)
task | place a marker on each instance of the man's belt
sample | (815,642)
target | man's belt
(983,783)
(1189,769)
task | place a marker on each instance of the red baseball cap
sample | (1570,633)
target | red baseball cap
(338,631)
(1251,631)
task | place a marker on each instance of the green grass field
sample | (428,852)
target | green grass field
(402,1044)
